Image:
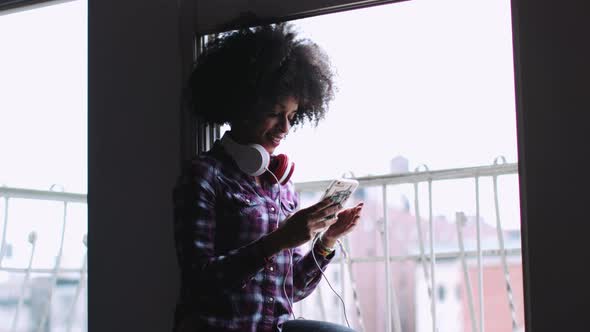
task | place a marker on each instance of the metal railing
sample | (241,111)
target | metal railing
(10,194)
(428,260)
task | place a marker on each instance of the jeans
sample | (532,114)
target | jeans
(304,325)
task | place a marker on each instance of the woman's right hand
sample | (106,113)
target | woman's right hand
(303,225)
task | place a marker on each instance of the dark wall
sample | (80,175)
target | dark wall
(552,44)
(134,85)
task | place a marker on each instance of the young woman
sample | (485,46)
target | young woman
(237,222)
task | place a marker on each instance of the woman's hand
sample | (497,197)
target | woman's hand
(346,221)
(302,226)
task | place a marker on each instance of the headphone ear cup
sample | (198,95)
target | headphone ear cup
(252,159)
(290,170)
(282,168)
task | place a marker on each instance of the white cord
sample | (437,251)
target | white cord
(314,259)
(326,278)
(290,266)
(285,281)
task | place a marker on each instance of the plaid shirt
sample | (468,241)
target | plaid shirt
(221,216)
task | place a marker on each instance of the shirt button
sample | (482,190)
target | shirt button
(247,201)
(272,209)
(271,268)
(270,299)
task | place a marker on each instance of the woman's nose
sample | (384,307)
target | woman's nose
(285,124)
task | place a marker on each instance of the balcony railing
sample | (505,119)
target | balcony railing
(425,258)
(40,315)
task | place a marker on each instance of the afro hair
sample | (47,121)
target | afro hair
(244,73)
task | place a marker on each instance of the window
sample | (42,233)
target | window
(43,181)
(425,102)
(425,119)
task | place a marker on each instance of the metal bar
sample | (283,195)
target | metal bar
(342,265)
(217,129)
(55,271)
(353,286)
(79,288)
(432,257)
(38,270)
(4,229)
(460,220)
(479,258)
(393,306)
(362,259)
(211,135)
(441,256)
(21,298)
(405,178)
(422,255)
(199,128)
(85,306)
(500,233)
(46,195)
(397,322)
(386,252)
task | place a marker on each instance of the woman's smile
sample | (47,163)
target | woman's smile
(275,139)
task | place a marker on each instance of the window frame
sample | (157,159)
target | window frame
(205,135)
(11,6)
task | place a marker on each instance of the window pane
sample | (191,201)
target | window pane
(431,81)
(43,97)
(43,142)
(419,82)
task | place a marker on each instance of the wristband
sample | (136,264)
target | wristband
(322,249)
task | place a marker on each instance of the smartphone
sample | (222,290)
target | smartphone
(340,190)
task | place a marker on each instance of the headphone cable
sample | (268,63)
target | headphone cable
(290,266)
(314,259)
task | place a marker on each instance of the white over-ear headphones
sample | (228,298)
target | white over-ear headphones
(252,159)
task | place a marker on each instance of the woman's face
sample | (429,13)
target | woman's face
(271,128)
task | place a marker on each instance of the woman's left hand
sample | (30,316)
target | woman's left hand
(347,221)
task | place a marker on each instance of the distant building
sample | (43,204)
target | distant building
(399,165)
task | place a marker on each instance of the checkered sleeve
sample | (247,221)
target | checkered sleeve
(195,223)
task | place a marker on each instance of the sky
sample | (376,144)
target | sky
(432,81)
(428,80)
(43,97)
(43,127)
